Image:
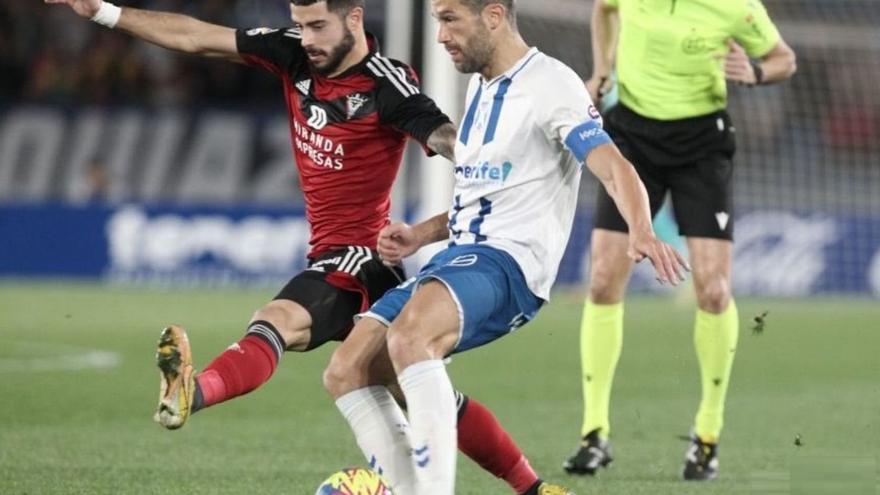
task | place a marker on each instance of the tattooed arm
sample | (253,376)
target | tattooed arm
(442,141)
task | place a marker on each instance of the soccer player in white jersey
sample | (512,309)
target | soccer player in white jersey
(529,126)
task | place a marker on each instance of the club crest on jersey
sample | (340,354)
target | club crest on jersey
(354,103)
(318,120)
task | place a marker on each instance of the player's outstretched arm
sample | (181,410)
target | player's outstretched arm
(172,31)
(399,240)
(626,189)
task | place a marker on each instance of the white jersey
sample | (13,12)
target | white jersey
(518,164)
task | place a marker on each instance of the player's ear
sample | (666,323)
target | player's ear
(494,15)
(355,18)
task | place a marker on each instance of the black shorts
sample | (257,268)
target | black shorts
(692,159)
(337,286)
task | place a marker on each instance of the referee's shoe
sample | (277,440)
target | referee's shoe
(593,453)
(701,460)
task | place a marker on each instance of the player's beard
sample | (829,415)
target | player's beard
(337,54)
(477,53)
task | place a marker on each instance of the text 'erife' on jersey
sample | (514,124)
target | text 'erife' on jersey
(348,133)
(519,152)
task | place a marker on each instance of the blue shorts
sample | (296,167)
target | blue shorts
(487,286)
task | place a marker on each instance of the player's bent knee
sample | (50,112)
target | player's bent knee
(404,345)
(410,347)
(333,381)
(341,376)
(426,329)
(345,373)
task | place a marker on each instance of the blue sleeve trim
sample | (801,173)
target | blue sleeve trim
(585,138)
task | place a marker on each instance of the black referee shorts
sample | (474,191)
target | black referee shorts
(331,306)
(692,159)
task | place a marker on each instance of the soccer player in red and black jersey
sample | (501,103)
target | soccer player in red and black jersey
(351,111)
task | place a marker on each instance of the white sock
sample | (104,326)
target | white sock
(382,433)
(430,401)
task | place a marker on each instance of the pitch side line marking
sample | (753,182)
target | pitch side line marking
(63,358)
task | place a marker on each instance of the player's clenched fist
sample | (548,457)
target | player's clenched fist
(84,8)
(397,241)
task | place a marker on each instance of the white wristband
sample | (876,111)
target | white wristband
(108,15)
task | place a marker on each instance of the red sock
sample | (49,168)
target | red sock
(481,437)
(243,367)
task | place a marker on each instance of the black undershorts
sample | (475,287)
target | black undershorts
(337,286)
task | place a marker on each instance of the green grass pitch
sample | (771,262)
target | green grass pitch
(68,427)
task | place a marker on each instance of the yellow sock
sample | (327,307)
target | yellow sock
(601,343)
(715,337)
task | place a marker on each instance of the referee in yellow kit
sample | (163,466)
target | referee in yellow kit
(673,59)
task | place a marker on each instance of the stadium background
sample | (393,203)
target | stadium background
(139,187)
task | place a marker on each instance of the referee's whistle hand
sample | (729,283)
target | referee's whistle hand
(597,86)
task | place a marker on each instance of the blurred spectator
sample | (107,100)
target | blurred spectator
(92,185)
(59,59)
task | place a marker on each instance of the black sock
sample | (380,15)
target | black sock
(533,490)
(198,401)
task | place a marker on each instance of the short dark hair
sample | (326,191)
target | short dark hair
(479,5)
(338,6)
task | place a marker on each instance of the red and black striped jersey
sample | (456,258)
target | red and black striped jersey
(349,133)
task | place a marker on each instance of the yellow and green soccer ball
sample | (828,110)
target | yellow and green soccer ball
(354,481)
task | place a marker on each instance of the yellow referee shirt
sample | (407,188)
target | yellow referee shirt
(670,56)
